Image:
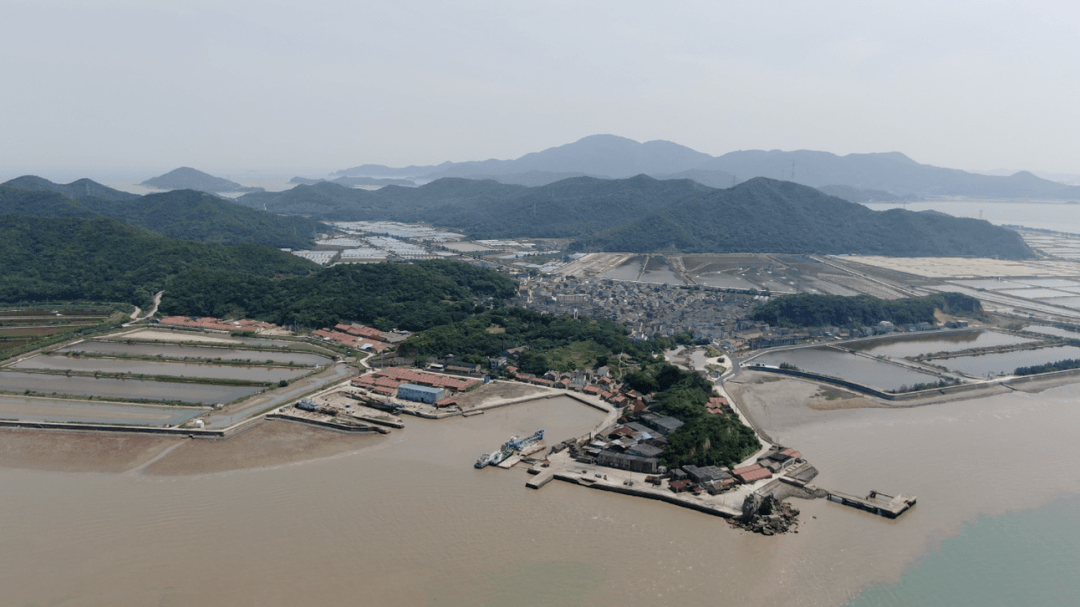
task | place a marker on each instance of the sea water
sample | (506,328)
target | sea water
(1027,557)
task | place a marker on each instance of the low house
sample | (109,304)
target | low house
(706,474)
(666,425)
(752,473)
(679,486)
(625,461)
(644,450)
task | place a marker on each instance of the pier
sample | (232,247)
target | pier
(876,502)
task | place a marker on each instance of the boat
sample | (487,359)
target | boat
(495,457)
(520,443)
(485,459)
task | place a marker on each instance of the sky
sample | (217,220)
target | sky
(235,87)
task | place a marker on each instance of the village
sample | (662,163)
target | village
(622,454)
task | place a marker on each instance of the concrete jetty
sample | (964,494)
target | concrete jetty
(876,502)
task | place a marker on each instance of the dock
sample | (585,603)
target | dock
(540,479)
(876,502)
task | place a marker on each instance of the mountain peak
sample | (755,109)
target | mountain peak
(187,178)
(76,190)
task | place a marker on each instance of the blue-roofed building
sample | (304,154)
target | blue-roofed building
(420,394)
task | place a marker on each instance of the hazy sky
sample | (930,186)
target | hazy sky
(310,87)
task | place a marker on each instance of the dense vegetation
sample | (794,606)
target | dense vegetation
(68,259)
(413,297)
(706,439)
(555,342)
(183,214)
(1061,365)
(643,214)
(808,310)
(769,216)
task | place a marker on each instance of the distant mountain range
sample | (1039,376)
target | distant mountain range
(642,214)
(355,181)
(612,157)
(187,178)
(184,214)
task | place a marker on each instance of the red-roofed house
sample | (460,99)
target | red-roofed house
(752,473)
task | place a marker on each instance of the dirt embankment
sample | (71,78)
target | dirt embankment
(268,444)
(271,443)
(78,452)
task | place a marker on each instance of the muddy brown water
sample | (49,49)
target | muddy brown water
(406,520)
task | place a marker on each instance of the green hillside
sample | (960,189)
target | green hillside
(769,216)
(184,214)
(405,296)
(66,259)
(642,214)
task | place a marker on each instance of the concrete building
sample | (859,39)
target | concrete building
(623,461)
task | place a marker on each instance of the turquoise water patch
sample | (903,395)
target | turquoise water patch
(1029,557)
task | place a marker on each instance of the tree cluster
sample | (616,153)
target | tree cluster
(492,332)
(411,297)
(68,259)
(705,439)
(813,310)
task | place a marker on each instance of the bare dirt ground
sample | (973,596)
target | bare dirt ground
(500,390)
(78,452)
(268,444)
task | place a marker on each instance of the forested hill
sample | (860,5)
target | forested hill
(413,297)
(76,190)
(813,310)
(69,258)
(769,216)
(184,214)
(644,214)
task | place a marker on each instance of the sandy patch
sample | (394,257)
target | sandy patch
(268,444)
(78,452)
(776,404)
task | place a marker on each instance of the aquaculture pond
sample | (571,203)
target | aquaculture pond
(914,345)
(201,352)
(170,369)
(848,366)
(120,389)
(1007,362)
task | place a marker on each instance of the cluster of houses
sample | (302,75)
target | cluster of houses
(418,386)
(716,479)
(360,337)
(637,445)
(217,324)
(644,309)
